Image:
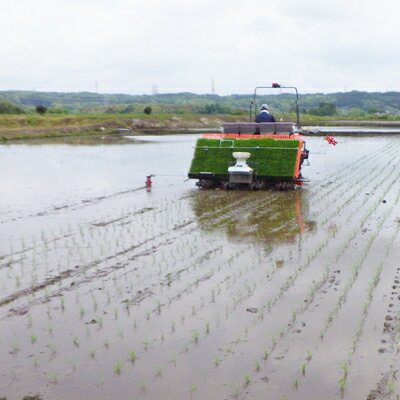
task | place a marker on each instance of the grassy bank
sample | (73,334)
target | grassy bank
(14,127)
(32,126)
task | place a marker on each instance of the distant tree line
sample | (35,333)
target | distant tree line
(9,108)
(351,103)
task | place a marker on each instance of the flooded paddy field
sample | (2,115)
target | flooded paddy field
(110,291)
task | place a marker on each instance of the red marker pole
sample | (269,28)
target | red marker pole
(148,181)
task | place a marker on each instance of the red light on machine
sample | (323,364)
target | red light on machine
(276,85)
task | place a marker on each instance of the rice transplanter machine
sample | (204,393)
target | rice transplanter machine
(251,155)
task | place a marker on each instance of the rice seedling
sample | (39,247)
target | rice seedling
(15,348)
(159,371)
(343,380)
(33,339)
(173,359)
(192,389)
(53,378)
(228,349)
(142,385)
(118,368)
(390,385)
(236,392)
(296,382)
(247,380)
(145,344)
(195,336)
(99,321)
(217,361)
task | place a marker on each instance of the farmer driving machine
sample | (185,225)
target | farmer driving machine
(251,155)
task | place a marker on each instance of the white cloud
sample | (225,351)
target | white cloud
(129,45)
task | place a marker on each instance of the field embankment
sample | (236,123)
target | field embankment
(14,127)
(29,126)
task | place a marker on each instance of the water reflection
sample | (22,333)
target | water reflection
(262,217)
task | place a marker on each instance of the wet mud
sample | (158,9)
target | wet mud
(112,290)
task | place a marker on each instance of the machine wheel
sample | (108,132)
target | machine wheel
(285,185)
(255,186)
(226,185)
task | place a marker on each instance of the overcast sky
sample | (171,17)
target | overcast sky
(128,46)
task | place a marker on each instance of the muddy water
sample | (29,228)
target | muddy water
(111,291)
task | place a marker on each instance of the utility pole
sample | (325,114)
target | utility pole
(212,85)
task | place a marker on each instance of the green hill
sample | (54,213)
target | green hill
(179,103)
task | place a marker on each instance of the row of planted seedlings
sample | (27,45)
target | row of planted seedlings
(359,177)
(249,289)
(304,361)
(362,222)
(194,331)
(246,289)
(85,273)
(83,249)
(346,378)
(324,276)
(353,213)
(325,348)
(352,299)
(319,247)
(30,323)
(147,344)
(82,313)
(73,244)
(386,272)
(348,171)
(349,174)
(195,336)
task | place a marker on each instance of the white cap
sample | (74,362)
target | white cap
(264,107)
